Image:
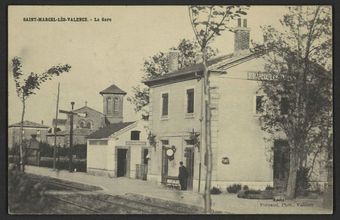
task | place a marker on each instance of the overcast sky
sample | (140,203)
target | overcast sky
(101,53)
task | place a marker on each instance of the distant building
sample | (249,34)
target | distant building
(29,129)
(61,124)
(94,120)
(82,126)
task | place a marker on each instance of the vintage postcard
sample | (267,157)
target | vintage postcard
(186,109)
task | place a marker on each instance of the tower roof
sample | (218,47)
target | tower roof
(113,89)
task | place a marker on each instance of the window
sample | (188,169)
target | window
(135,135)
(165,142)
(88,125)
(284,106)
(259,104)
(109,104)
(82,124)
(116,104)
(190,101)
(165,104)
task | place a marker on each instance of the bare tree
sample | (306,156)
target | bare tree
(207,23)
(26,84)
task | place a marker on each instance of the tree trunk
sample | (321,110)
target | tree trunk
(22,166)
(207,196)
(293,168)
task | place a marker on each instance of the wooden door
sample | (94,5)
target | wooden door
(121,162)
(190,165)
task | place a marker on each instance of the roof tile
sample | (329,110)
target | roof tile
(113,89)
(105,132)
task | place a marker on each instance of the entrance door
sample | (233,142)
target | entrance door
(164,164)
(190,166)
(281,163)
(121,162)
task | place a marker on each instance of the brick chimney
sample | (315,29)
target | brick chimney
(173,56)
(241,40)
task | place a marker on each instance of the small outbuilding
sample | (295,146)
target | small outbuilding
(119,150)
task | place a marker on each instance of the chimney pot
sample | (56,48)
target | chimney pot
(241,37)
(173,56)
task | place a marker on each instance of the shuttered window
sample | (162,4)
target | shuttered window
(165,104)
(190,101)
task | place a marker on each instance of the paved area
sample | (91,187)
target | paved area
(227,203)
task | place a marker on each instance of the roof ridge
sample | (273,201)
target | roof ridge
(85,106)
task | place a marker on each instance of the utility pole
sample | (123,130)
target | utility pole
(71,114)
(55,130)
(71,140)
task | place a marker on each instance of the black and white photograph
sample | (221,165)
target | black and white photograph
(170,109)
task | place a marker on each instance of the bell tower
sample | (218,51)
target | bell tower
(113,98)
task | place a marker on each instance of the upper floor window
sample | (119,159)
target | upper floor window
(259,105)
(84,124)
(116,104)
(190,101)
(135,135)
(88,125)
(165,142)
(165,104)
(109,103)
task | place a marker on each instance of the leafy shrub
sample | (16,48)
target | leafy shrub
(14,150)
(234,188)
(245,187)
(215,191)
(269,188)
(79,150)
(302,182)
(255,194)
(63,163)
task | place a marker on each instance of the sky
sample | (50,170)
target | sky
(101,53)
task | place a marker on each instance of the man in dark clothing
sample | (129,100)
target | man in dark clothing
(183,176)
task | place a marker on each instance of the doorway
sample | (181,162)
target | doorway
(189,154)
(121,162)
(281,163)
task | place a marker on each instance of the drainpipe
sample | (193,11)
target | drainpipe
(201,136)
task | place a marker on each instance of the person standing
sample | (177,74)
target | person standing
(183,176)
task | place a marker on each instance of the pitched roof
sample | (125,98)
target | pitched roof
(105,132)
(76,132)
(86,107)
(113,89)
(60,121)
(29,124)
(196,70)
